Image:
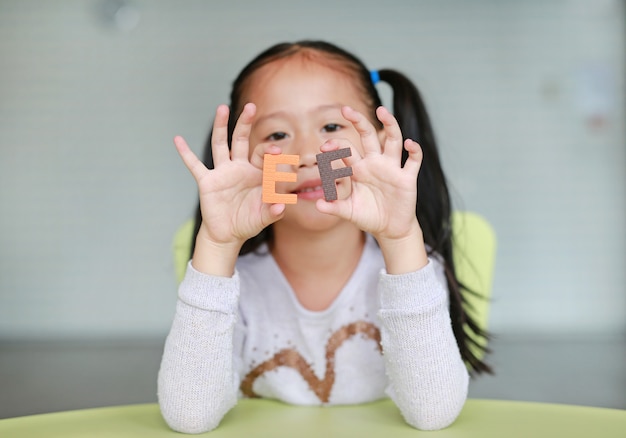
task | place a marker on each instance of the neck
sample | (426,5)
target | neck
(318,264)
(311,251)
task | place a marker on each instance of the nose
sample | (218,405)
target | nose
(308,160)
(307,144)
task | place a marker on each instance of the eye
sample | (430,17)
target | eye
(331,127)
(276,136)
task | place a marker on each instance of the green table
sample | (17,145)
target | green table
(266,418)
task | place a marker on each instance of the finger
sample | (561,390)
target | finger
(341,208)
(241,134)
(271,213)
(367,132)
(341,143)
(195,166)
(414,160)
(256,159)
(219,136)
(393,135)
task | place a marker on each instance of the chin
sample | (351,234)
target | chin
(306,216)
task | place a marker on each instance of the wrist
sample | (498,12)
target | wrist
(215,258)
(404,254)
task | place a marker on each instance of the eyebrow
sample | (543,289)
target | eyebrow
(283,114)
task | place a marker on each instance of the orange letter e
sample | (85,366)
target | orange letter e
(271,176)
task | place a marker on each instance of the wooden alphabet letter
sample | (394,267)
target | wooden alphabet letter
(328,174)
(271,175)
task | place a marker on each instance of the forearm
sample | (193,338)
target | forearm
(197,382)
(428,379)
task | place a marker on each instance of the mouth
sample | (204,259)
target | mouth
(310,190)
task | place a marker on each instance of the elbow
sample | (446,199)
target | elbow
(432,419)
(434,416)
(190,407)
(189,426)
(186,415)
(191,421)
(437,410)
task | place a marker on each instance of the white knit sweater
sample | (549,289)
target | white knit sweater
(249,336)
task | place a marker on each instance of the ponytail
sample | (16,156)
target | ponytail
(433,209)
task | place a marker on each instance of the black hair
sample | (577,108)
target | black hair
(434,208)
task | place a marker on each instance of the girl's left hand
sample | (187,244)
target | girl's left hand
(384,193)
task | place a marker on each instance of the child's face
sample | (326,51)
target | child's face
(299,108)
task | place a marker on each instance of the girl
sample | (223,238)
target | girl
(319,302)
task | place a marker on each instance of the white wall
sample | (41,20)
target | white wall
(91,189)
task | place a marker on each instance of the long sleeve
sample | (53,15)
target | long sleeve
(197,382)
(428,380)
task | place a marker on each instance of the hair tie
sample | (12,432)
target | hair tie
(375,76)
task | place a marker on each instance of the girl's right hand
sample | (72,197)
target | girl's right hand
(230,194)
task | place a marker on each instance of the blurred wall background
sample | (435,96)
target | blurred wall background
(527,99)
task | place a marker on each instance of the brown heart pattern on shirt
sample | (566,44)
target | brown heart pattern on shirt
(290,357)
